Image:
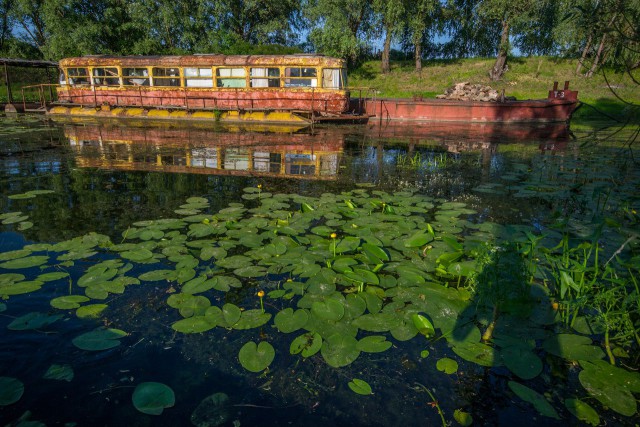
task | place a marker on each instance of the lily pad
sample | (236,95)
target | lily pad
(256,358)
(212,411)
(340,350)
(536,399)
(250,319)
(152,398)
(572,347)
(99,339)
(11,390)
(463,418)
(33,320)
(26,262)
(360,387)
(68,302)
(288,321)
(374,344)
(307,344)
(612,386)
(91,310)
(59,372)
(446,365)
(522,362)
(582,411)
(195,324)
(329,309)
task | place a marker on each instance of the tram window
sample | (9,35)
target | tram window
(106,76)
(231,77)
(198,77)
(136,76)
(78,76)
(334,78)
(300,77)
(265,77)
(166,76)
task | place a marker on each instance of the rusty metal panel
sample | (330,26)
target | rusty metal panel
(205,60)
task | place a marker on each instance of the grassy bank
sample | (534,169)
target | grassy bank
(527,78)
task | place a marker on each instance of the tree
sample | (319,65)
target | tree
(422,15)
(391,15)
(339,27)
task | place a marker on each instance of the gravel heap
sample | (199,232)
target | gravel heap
(470,92)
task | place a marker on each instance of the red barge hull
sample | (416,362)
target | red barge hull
(558,107)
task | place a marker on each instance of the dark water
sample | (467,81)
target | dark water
(106,176)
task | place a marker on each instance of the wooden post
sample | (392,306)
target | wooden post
(8,82)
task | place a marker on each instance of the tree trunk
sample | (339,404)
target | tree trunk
(500,65)
(598,58)
(584,55)
(386,68)
(418,56)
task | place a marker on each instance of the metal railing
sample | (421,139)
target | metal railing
(44,95)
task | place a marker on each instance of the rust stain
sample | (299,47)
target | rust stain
(204,60)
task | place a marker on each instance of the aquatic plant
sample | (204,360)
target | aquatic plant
(405,265)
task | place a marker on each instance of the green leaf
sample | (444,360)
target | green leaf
(582,411)
(340,350)
(536,399)
(611,385)
(250,319)
(256,358)
(362,275)
(152,398)
(373,344)
(99,339)
(11,390)
(329,309)
(423,325)
(360,387)
(288,321)
(26,262)
(68,302)
(91,310)
(573,347)
(231,314)
(307,344)
(446,365)
(418,239)
(478,353)
(195,324)
(34,320)
(463,418)
(59,372)
(522,362)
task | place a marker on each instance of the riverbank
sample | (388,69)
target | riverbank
(527,78)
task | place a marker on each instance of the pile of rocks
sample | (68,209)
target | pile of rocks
(470,92)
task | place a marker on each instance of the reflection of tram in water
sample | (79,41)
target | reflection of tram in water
(207,151)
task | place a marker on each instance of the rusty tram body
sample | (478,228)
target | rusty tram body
(280,88)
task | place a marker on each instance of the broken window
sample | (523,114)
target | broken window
(166,76)
(300,77)
(135,76)
(106,76)
(198,77)
(231,77)
(265,77)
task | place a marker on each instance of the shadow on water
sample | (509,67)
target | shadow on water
(511,314)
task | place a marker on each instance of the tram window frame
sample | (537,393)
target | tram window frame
(300,77)
(110,77)
(264,77)
(76,77)
(135,76)
(235,78)
(198,76)
(165,76)
(329,82)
